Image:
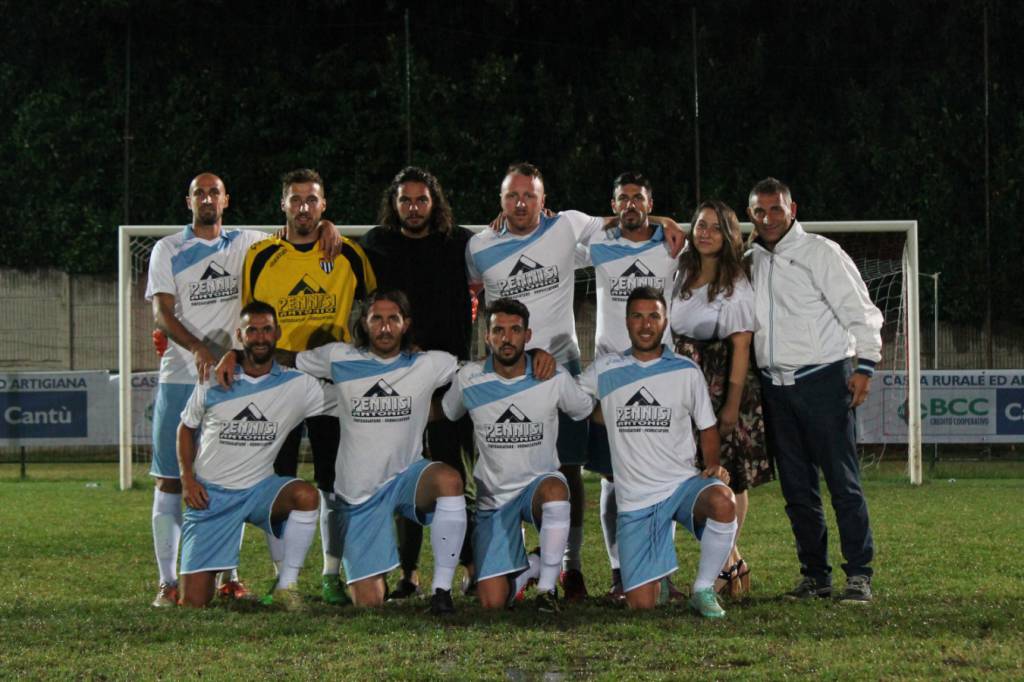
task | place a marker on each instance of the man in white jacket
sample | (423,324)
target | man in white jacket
(817,340)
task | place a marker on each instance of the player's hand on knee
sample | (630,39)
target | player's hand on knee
(716,471)
(193,492)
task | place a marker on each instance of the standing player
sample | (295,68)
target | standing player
(532,259)
(227,443)
(418,249)
(648,398)
(516,420)
(632,255)
(384,392)
(194,284)
(817,339)
(313,300)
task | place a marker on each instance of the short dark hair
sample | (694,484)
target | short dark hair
(508,306)
(301,175)
(632,178)
(525,168)
(646,294)
(256,307)
(440,221)
(360,338)
(770,185)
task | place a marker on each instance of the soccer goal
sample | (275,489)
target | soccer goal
(885,253)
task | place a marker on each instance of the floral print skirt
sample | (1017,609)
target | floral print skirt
(744,453)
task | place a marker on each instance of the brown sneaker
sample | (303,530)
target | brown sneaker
(233,589)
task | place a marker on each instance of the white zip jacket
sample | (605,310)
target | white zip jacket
(812,308)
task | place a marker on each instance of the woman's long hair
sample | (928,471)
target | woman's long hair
(730,258)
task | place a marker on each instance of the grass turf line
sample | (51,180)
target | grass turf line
(77,575)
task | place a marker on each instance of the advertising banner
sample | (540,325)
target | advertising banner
(56,408)
(957,406)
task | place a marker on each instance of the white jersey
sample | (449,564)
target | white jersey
(702,320)
(205,278)
(647,408)
(243,427)
(620,266)
(515,424)
(537,269)
(383,406)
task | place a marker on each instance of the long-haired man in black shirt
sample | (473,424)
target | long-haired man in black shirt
(419,249)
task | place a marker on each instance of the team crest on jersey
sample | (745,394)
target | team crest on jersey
(214,285)
(643,412)
(528,276)
(513,429)
(327,266)
(248,427)
(381,403)
(307,299)
(635,276)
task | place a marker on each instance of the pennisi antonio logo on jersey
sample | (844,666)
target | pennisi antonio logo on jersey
(306,299)
(643,412)
(635,276)
(526,276)
(248,427)
(513,428)
(381,403)
(215,284)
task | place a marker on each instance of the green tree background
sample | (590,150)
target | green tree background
(870,110)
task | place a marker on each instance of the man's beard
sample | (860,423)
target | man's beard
(508,362)
(260,357)
(637,223)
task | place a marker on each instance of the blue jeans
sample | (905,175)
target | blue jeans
(810,429)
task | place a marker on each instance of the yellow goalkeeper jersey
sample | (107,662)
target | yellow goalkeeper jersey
(313,299)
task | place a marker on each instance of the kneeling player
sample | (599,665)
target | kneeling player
(384,392)
(515,418)
(649,396)
(228,476)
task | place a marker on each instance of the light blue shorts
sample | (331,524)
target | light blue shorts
(647,550)
(368,528)
(498,536)
(170,401)
(211,538)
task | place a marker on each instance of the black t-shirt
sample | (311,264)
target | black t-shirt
(432,273)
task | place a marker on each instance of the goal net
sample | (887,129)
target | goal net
(885,253)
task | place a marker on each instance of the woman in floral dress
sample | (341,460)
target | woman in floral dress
(712,315)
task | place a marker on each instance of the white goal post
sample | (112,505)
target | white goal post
(907,326)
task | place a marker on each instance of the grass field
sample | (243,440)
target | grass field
(77,574)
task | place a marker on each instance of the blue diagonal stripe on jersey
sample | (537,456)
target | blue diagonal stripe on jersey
(491,391)
(240,388)
(197,252)
(347,370)
(492,255)
(602,252)
(616,378)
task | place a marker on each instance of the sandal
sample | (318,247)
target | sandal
(739,583)
(726,587)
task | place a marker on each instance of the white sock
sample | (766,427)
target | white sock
(574,549)
(554,532)
(532,573)
(166,534)
(276,547)
(330,536)
(447,531)
(232,574)
(297,537)
(715,546)
(609,517)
